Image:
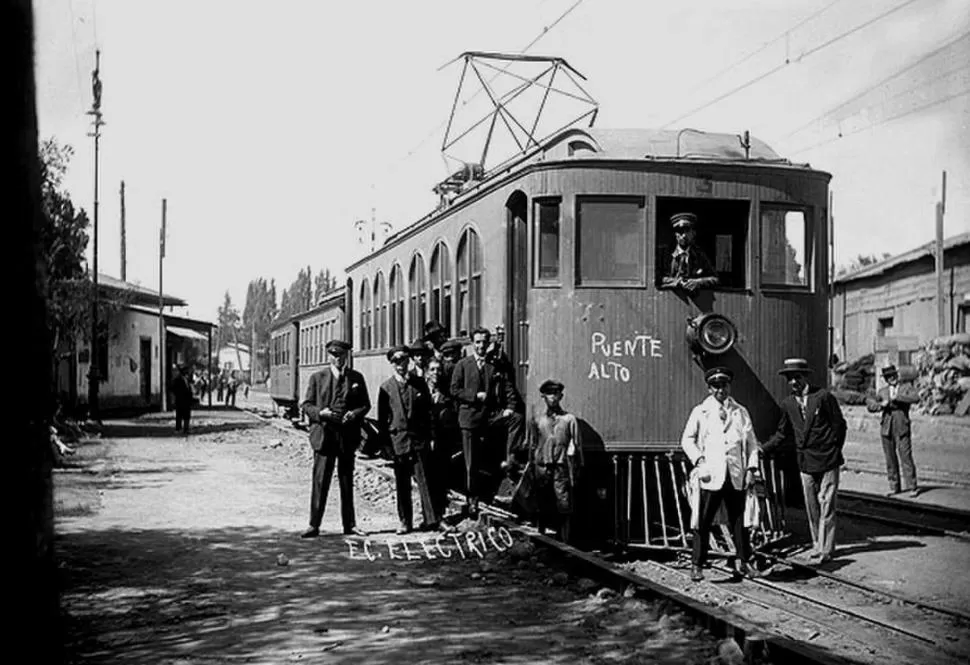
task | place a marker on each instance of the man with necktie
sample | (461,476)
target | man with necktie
(336,403)
(894,400)
(690,268)
(812,422)
(483,397)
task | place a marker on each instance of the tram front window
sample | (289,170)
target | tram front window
(718,241)
(785,247)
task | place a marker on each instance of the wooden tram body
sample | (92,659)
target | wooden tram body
(566,247)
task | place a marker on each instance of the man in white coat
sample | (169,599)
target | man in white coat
(720,442)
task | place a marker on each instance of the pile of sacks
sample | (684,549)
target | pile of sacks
(943,375)
(852,381)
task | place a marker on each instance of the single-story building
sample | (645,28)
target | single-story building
(129,355)
(234,358)
(889,308)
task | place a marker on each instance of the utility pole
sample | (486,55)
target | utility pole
(94,377)
(124,240)
(252,353)
(161,310)
(940,300)
(831,268)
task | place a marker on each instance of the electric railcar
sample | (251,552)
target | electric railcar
(567,246)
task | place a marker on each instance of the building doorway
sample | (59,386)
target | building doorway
(145,368)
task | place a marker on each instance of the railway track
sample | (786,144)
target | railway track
(912,515)
(799,614)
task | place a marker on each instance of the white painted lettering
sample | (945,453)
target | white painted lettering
(457,540)
(504,534)
(599,339)
(441,551)
(593,373)
(353,549)
(471,544)
(655,349)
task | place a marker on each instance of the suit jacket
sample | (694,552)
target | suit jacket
(404,414)
(329,434)
(692,263)
(729,447)
(895,412)
(181,391)
(467,380)
(818,437)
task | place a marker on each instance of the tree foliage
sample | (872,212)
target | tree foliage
(299,297)
(228,319)
(259,312)
(859,262)
(323,284)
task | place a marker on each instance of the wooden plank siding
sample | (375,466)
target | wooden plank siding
(647,408)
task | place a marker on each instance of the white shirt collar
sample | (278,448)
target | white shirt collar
(336,372)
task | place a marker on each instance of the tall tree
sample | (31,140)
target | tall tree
(299,297)
(323,284)
(258,314)
(228,316)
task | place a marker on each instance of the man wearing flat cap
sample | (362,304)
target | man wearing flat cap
(336,402)
(812,422)
(404,421)
(690,268)
(434,336)
(556,453)
(894,400)
(420,354)
(719,440)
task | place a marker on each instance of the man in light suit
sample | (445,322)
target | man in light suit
(404,420)
(719,441)
(483,397)
(894,400)
(336,403)
(812,422)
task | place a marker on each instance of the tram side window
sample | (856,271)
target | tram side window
(786,249)
(720,234)
(546,235)
(610,241)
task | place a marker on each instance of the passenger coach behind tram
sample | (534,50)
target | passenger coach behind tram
(568,247)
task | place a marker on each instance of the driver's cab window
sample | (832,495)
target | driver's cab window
(702,240)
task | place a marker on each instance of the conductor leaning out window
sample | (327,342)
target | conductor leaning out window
(690,268)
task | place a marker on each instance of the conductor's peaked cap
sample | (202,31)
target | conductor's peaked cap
(338,347)
(683,220)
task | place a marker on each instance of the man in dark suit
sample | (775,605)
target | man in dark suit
(894,400)
(404,419)
(812,421)
(336,403)
(690,269)
(182,392)
(483,398)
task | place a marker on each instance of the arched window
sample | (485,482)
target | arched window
(396,293)
(380,312)
(364,316)
(417,291)
(469,282)
(441,286)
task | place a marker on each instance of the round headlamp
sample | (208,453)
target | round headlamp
(711,333)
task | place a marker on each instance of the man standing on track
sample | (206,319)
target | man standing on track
(894,400)
(336,403)
(404,419)
(812,420)
(719,440)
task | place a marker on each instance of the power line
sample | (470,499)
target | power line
(77,60)
(806,54)
(862,93)
(778,38)
(883,121)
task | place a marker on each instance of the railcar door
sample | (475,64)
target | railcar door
(518,280)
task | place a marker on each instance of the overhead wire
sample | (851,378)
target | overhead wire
(771,42)
(810,52)
(879,84)
(872,125)
(77,59)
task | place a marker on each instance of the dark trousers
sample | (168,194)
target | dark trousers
(473,449)
(898,449)
(515,436)
(323,466)
(734,503)
(437,468)
(408,466)
(183,413)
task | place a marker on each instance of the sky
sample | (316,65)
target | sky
(270,128)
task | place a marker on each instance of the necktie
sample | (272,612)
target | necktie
(723,413)
(480,362)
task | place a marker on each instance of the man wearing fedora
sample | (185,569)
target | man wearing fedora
(894,400)
(336,402)
(719,440)
(690,268)
(812,421)
(404,421)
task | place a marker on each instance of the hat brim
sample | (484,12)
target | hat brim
(785,372)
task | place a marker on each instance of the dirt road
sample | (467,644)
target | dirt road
(184,550)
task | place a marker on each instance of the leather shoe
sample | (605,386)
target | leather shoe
(312,532)
(355,531)
(696,575)
(744,570)
(913,493)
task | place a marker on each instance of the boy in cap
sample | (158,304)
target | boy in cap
(404,420)
(719,441)
(556,451)
(894,400)
(812,422)
(690,268)
(336,402)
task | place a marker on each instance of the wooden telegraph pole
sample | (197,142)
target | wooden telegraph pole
(941,328)
(124,239)
(94,367)
(161,311)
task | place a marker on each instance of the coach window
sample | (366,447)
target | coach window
(610,241)
(364,315)
(380,312)
(786,247)
(396,291)
(441,286)
(469,282)
(417,290)
(546,242)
